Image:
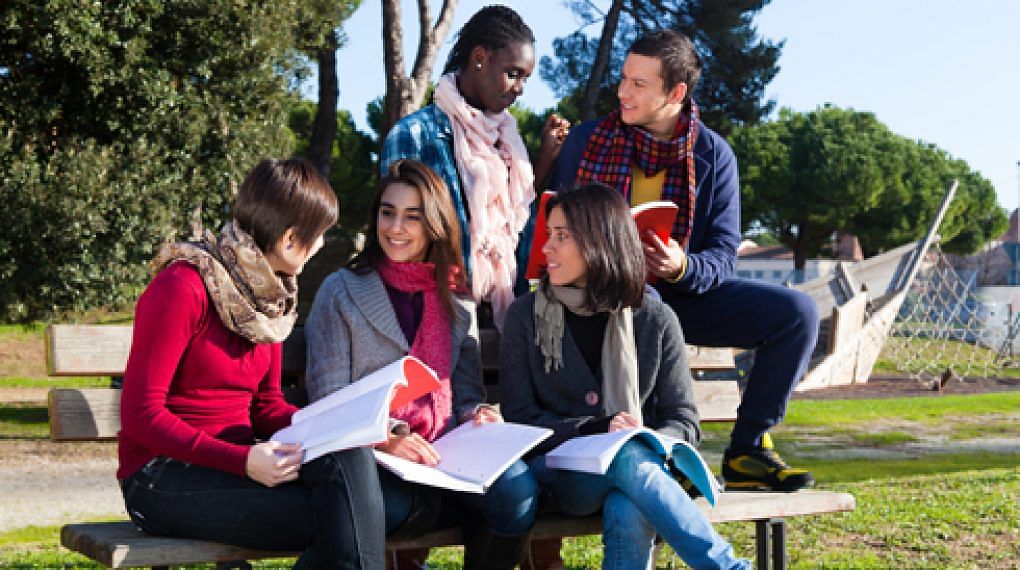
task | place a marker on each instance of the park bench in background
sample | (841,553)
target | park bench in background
(94,414)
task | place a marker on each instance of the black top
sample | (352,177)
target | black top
(588,334)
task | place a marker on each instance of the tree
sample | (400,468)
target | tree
(737,64)
(119,119)
(404,93)
(352,162)
(807,175)
(320,148)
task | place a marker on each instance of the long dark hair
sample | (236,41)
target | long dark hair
(493,28)
(600,222)
(439,219)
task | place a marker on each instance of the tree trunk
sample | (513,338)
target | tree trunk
(320,147)
(404,94)
(799,255)
(601,63)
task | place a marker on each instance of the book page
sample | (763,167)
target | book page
(590,453)
(388,376)
(482,453)
(425,475)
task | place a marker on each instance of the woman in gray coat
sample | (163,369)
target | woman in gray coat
(399,296)
(589,352)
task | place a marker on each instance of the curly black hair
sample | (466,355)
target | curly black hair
(493,28)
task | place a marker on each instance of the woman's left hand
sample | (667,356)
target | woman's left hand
(487,415)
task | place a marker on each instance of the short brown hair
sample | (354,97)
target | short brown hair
(280,194)
(439,218)
(675,51)
(600,222)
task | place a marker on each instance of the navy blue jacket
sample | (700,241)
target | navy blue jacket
(715,236)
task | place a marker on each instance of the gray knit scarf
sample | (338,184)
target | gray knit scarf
(619,352)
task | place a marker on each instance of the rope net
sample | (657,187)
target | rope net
(943,329)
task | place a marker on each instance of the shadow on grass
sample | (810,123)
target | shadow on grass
(23,415)
(835,471)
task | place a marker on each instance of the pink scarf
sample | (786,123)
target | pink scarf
(428,415)
(499,185)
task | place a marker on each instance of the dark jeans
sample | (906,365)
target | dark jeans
(507,509)
(332,514)
(781,324)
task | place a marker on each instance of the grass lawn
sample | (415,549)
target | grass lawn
(949,505)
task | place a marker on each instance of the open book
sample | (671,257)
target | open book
(358,414)
(594,454)
(471,457)
(657,216)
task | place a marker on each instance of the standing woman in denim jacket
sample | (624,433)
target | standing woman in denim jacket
(589,352)
(202,387)
(403,294)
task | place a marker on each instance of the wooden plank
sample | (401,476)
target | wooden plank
(120,544)
(847,319)
(717,400)
(84,414)
(102,350)
(87,350)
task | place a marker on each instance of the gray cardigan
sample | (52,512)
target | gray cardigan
(353,331)
(559,399)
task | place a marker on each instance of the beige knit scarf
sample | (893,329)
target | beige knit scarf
(493,165)
(249,297)
(620,391)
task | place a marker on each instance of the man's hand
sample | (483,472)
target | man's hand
(622,421)
(664,260)
(272,462)
(411,447)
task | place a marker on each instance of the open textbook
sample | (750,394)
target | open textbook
(594,454)
(358,414)
(471,457)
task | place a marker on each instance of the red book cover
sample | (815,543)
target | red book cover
(536,259)
(420,381)
(657,216)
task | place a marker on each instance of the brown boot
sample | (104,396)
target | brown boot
(406,559)
(543,554)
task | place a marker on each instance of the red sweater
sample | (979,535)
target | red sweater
(193,390)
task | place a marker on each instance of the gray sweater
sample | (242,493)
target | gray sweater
(568,399)
(353,331)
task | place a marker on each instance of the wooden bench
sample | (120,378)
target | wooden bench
(93,414)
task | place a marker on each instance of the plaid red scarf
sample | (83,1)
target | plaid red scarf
(614,148)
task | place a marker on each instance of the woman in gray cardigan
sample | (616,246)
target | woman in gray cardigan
(399,296)
(589,352)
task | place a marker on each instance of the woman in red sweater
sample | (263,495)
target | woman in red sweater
(202,387)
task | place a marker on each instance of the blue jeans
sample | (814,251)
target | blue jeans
(639,499)
(507,509)
(332,514)
(781,324)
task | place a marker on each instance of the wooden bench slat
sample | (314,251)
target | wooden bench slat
(102,350)
(81,414)
(120,544)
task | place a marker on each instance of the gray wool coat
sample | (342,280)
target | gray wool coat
(352,331)
(570,397)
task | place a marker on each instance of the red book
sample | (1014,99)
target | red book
(657,216)
(536,259)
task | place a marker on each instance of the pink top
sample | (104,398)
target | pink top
(193,390)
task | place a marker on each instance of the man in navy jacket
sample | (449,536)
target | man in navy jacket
(647,150)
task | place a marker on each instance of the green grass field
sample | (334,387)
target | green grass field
(947,506)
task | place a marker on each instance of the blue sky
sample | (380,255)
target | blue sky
(927,68)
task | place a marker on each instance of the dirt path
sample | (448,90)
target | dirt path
(46,483)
